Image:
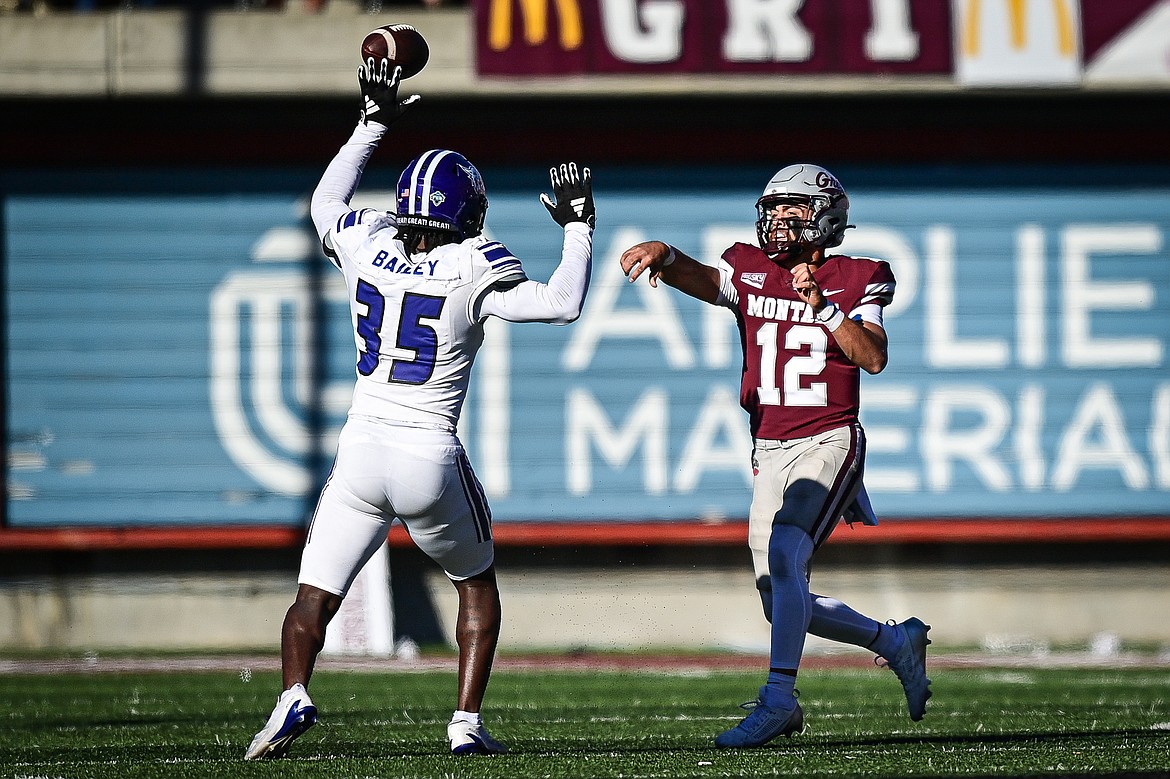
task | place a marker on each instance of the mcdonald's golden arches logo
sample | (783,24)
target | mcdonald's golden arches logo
(534,17)
(1017,14)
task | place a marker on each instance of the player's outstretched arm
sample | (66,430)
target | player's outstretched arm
(677,269)
(561,300)
(380,108)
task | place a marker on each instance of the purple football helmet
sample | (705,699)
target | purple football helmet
(442,190)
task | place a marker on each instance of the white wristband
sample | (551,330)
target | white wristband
(670,256)
(831,316)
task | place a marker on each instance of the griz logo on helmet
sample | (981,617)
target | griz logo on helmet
(826,181)
(803,185)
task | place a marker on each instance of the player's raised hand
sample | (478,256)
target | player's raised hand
(806,286)
(380,92)
(649,256)
(573,191)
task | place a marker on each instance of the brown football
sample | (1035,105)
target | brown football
(401,44)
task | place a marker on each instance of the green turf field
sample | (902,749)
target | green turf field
(983,722)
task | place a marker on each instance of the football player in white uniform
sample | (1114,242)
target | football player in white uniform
(422,279)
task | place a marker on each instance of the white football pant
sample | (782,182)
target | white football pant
(384,472)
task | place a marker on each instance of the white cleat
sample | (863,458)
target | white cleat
(467,738)
(293,715)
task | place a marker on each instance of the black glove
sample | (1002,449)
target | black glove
(574,195)
(380,93)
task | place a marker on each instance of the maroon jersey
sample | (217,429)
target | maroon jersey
(796,380)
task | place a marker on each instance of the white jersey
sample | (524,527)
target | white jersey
(416,319)
(417,323)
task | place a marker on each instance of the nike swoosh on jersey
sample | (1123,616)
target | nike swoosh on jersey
(830,292)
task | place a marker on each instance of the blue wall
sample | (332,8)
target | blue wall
(160,346)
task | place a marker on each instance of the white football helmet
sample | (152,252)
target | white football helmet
(810,185)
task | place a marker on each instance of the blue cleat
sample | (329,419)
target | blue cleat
(293,715)
(909,665)
(767,721)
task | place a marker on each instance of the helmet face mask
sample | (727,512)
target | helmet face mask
(784,223)
(816,192)
(441,194)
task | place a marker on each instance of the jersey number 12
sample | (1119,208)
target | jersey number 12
(792,392)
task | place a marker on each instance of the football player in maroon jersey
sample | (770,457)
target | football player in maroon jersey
(809,323)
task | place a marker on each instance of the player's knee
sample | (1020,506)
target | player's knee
(789,550)
(311,612)
(479,603)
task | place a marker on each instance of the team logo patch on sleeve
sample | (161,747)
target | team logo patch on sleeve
(754,279)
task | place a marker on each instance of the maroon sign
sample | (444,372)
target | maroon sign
(567,37)
(895,37)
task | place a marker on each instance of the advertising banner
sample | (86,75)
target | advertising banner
(972,42)
(178,359)
(565,37)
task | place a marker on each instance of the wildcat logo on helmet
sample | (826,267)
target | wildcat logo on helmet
(438,198)
(472,173)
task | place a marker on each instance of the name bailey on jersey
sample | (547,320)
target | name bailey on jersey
(380,261)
